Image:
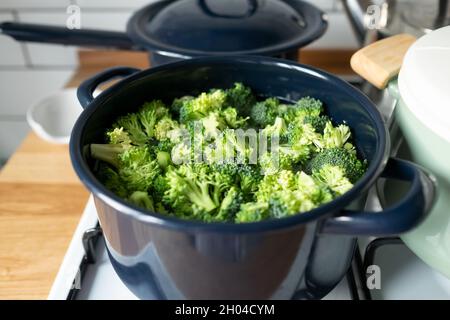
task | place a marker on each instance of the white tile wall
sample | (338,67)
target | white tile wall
(114,21)
(112,3)
(10,50)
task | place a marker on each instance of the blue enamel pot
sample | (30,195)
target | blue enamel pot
(303,256)
(173,30)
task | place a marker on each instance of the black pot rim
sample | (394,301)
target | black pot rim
(85,174)
(136,26)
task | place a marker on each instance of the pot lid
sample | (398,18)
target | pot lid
(424,81)
(217,27)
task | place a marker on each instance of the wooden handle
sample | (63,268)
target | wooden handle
(380,61)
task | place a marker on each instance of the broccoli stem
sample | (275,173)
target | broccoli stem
(199,194)
(107,152)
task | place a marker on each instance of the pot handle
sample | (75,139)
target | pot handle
(381,61)
(401,217)
(62,35)
(252,7)
(86,89)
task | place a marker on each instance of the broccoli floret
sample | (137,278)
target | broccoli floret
(249,178)
(278,129)
(150,114)
(304,107)
(132,125)
(178,103)
(340,157)
(163,127)
(211,126)
(335,137)
(112,180)
(310,106)
(142,199)
(202,105)
(230,205)
(241,98)
(334,177)
(302,194)
(181,153)
(165,145)
(137,168)
(230,115)
(283,180)
(317,122)
(195,185)
(140,126)
(119,136)
(285,204)
(252,212)
(264,113)
(134,164)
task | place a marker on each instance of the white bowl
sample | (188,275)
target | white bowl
(53,117)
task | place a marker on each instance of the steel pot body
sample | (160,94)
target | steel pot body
(303,256)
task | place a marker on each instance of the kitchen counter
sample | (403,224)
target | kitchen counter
(41,198)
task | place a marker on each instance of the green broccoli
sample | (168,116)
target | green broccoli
(304,107)
(230,205)
(150,114)
(132,125)
(232,119)
(112,180)
(340,157)
(179,103)
(201,106)
(252,212)
(189,161)
(164,126)
(264,113)
(241,99)
(317,122)
(335,137)
(134,164)
(195,185)
(334,178)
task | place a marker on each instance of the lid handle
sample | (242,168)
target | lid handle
(252,7)
(381,61)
